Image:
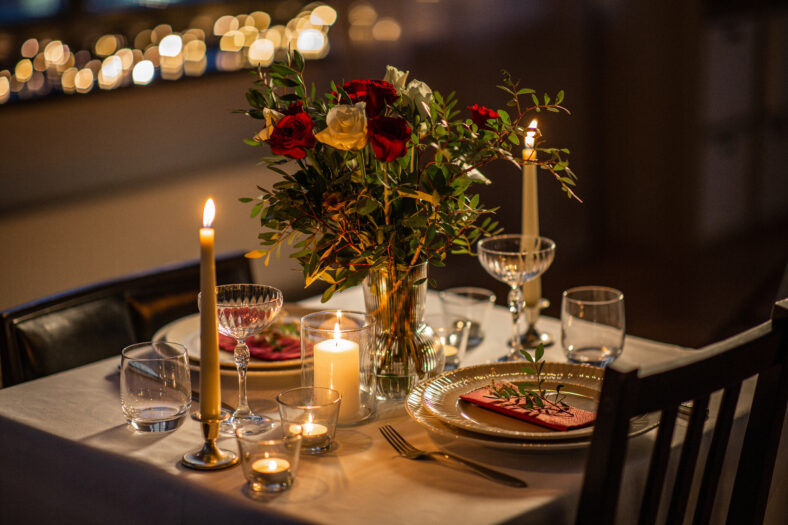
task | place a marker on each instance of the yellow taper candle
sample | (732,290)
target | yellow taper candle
(210,385)
(532,290)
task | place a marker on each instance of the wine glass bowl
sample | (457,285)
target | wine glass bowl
(516,259)
(245,310)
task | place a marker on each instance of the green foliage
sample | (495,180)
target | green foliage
(531,395)
(346,212)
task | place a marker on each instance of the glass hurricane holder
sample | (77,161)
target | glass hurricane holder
(337,352)
(245,310)
(404,355)
(516,259)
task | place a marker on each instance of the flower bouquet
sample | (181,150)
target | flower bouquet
(377,178)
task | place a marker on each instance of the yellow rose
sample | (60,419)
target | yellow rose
(346,127)
(271,118)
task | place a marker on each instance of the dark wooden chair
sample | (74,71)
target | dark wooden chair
(722,367)
(80,326)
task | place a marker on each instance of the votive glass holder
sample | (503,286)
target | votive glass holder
(337,352)
(471,304)
(451,335)
(312,412)
(269,455)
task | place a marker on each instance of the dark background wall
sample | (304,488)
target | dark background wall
(678,134)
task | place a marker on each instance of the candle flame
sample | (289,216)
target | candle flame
(208,213)
(272,465)
(336,332)
(530,134)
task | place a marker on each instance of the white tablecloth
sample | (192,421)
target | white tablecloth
(67,456)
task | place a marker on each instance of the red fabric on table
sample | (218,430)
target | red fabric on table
(551,418)
(260,346)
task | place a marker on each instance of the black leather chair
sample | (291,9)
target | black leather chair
(80,326)
(722,367)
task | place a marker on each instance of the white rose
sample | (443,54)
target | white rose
(346,127)
(396,77)
(421,95)
(271,118)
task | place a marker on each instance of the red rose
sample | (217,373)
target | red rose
(480,115)
(389,137)
(376,93)
(292,136)
(294,107)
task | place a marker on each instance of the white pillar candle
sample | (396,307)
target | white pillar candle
(336,364)
(532,290)
(210,393)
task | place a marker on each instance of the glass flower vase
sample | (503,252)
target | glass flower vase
(405,351)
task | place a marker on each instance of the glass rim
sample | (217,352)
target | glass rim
(616,295)
(272,441)
(278,296)
(369,320)
(182,351)
(450,294)
(337,399)
(550,244)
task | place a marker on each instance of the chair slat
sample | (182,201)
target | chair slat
(759,451)
(689,458)
(716,456)
(658,466)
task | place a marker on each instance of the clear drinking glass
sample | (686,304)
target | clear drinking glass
(269,455)
(245,310)
(516,259)
(155,387)
(592,324)
(469,304)
(451,335)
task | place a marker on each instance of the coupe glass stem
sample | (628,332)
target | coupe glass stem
(241,356)
(516,308)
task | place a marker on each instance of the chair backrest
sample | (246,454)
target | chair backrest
(80,326)
(723,366)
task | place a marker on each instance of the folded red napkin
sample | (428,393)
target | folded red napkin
(268,347)
(557,418)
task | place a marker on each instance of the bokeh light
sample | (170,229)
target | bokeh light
(170,46)
(143,72)
(261,52)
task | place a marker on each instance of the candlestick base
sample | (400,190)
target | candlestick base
(532,337)
(209,456)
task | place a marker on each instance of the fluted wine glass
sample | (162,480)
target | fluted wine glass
(245,310)
(516,259)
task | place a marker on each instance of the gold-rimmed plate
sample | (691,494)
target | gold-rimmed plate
(416,410)
(582,385)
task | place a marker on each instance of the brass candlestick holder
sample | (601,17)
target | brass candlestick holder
(210,456)
(532,337)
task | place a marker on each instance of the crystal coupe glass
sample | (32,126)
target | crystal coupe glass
(516,259)
(245,310)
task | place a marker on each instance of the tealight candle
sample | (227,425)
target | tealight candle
(271,471)
(449,350)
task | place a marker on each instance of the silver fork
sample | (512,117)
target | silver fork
(409,451)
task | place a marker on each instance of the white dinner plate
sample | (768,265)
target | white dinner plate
(416,410)
(582,385)
(186,331)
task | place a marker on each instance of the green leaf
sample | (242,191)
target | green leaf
(559,97)
(539,352)
(529,370)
